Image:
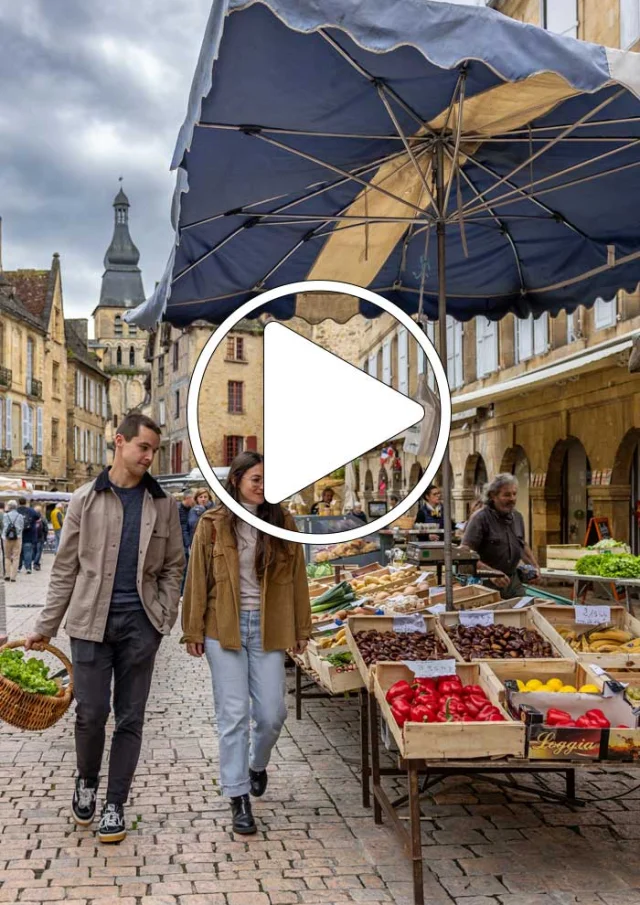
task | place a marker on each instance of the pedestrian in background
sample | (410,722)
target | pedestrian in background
(117,577)
(202,502)
(12,528)
(3,616)
(29,534)
(184,508)
(42,526)
(57,521)
(246,602)
(4,570)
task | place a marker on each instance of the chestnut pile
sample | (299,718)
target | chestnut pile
(498,642)
(375,646)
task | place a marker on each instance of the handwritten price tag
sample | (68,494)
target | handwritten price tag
(412,622)
(431,669)
(592,615)
(524,602)
(597,670)
(475,617)
(328,628)
(437,608)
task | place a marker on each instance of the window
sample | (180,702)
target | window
(605,313)
(629,23)
(132,356)
(233,446)
(373,365)
(403,361)
(117,325)
(1,346)
(561,17)
(133,330)
(235,348)
(55,378)
(115,422)
(486,346)
(235,394)
(386,362)
(92,397)
(162,412)
(29,363)
(104,402)
(572,334)
(39,430)
(176,407)
(119,357)
(176,457)
(455,374)
(532,336)
(160,370)
(176,354)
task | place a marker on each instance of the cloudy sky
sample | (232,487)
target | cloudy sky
(91,91)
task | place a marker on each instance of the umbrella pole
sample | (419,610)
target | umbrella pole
(442,329)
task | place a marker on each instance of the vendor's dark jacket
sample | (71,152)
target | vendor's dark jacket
(497,539)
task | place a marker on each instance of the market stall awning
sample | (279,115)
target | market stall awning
(309,151)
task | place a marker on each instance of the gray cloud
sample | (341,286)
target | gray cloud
(90,92)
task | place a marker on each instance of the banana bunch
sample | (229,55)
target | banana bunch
(334,641)
(600,641)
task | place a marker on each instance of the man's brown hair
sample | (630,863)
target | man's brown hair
(130,425)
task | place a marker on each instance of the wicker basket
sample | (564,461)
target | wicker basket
(33,711)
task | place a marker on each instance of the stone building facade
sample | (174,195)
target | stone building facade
(33,376)
(87,401)
(121,346)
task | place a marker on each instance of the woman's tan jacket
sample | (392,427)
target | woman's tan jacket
(211,604)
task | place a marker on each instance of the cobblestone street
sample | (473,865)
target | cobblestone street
(316,844)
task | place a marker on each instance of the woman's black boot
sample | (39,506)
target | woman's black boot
(243,821)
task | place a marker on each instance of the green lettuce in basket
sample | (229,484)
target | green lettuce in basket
(31,674)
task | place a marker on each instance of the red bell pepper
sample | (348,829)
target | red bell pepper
(598,717)
(399,689)
(449,684)
(474,704)
(474,690)
(587,722)
(401,711)
(420,713)
(429,698)
(623,727)
(422,682)
(557,717)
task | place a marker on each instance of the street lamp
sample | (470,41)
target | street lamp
(28,455)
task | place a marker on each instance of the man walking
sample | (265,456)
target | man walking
(117,576)
(496,533)
(184,508)
(12,528)
(57,520)
(29,535)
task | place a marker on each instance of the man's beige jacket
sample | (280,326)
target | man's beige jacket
(84,569)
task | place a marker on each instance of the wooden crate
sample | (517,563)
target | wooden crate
(468,597)
(497,672)
(516,619)
(548,617)
(563,557)
(338,682)
(314,651)
(385,624)
(450,741)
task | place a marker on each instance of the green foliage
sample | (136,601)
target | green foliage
(609,565)
(31,675)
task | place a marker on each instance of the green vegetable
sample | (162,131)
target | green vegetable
(608,543)
(319,570)
(342,659)
(31,675)
(339,593)
(609,565)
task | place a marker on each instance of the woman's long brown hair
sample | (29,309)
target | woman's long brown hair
(266,546)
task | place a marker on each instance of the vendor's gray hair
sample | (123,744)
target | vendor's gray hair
(495,486)
(12,504)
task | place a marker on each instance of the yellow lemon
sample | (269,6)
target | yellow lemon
(533,685)
(555,684)
(568,689)
(589,689)
(521,685)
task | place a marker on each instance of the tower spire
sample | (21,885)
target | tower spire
(122,281)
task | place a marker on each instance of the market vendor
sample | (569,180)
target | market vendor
(496,533)
(327,500)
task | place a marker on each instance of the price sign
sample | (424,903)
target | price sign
(431,669)
(437,608)
(476,617)
(328,628)
(412,622)
(524,602)
(597,670)
(592,615)
(434,591)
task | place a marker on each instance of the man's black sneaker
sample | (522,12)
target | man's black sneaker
(243,822)
(83,806)
(258,780)
(112,827)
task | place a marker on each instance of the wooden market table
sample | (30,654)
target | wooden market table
(582,583)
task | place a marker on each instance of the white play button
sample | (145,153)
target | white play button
(320,412)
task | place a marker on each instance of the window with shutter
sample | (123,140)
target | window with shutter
(9,423)
(571,328)
(233,447)
(403,360)
(386,362)
(235,396)
(629,23)
(561,17)
(39,430)
(605,313)
(524,338)
(455,374)
(541,334)
(486,346)
(252,444)
(162,412)
(76,443)
(2,423)
(25,424)
(373,365)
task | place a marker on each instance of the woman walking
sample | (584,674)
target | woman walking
(202,502)
(246,602)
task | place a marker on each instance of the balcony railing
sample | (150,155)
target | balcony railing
(6,376)
(6,459)
(34,464)
(34,388)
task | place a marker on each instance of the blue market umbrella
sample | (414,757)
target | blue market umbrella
(448,157)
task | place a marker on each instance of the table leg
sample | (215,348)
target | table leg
(415,831)
(298,692)
(439,573)
(374,735)
(364,747)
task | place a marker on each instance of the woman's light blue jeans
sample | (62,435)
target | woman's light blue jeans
(249,693)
